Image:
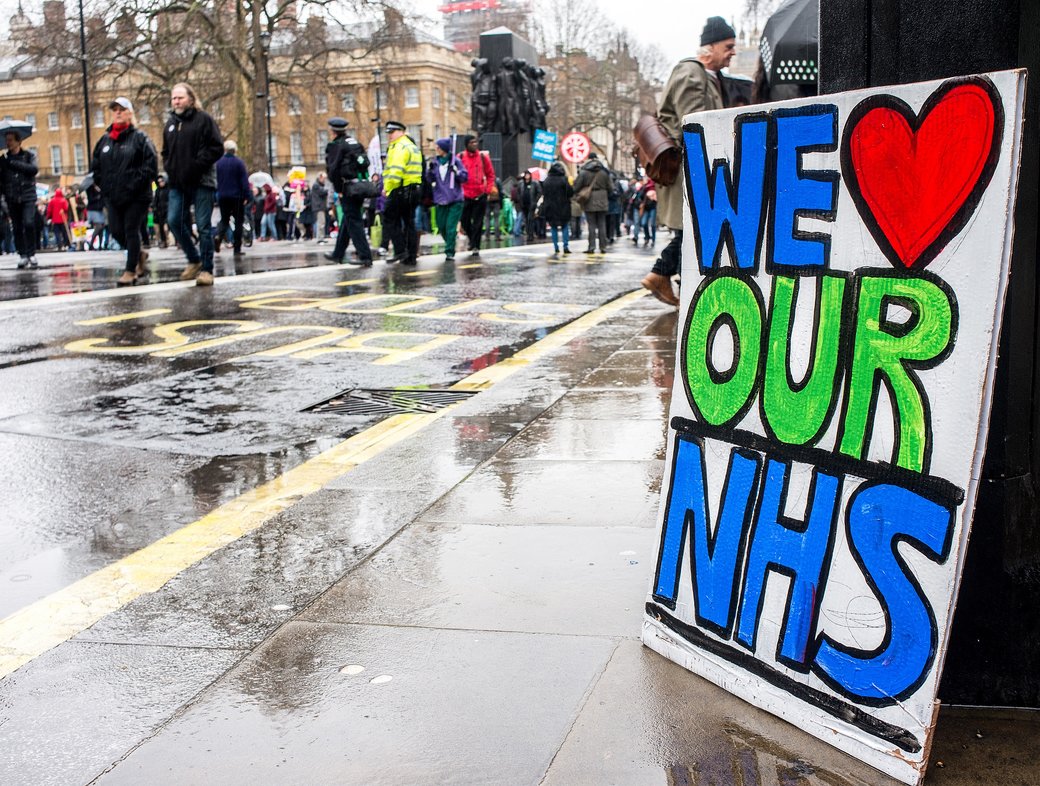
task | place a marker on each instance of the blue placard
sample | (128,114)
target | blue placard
(544,148)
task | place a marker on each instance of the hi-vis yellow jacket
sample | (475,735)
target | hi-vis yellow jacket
(403,165)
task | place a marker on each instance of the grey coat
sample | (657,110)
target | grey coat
(689,89)
(594,172)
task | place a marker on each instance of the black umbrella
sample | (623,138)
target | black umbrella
(23,129)
(790,43)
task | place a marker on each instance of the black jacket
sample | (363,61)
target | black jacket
(557,193)
(192,145)
(125,167)
(18,176)
(342,155)
(162,201)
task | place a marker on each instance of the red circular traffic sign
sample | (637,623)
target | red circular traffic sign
(575,147)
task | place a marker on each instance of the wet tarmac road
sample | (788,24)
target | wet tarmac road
(127,413)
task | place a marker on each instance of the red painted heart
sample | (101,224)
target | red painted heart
(917,179)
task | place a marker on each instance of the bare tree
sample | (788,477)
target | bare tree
(230,50)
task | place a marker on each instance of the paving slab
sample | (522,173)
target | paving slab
(459,707)
(70,713)
(581,493)
(565,580)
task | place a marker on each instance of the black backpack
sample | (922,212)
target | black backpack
(353,162)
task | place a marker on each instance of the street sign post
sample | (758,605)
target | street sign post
(843,279)
(544,148)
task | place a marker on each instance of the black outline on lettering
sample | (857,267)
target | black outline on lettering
(819,175)
(738,344)
(908,366)
(799,527)
(721,166)
(841,365)
(745,528)
(918,546)
(672,479)
(958,221)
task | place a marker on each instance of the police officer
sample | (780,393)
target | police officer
(345,162)
(402,179)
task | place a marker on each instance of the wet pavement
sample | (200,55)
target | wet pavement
(454,597)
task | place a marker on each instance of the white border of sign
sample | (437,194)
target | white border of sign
(970,262)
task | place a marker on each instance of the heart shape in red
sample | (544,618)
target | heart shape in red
(917,179)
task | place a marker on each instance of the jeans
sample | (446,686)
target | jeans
(179,219)
(566,235)
(649,223)
(124,222)
(671,256)
(267,226)
(352,230)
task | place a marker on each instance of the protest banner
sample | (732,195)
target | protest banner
(845,261)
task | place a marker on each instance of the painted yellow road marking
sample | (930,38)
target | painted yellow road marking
(270,293)
(470,266)
(423,273)
(153,312)
(354,282)
(50,621)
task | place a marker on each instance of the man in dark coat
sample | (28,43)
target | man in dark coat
(594,174)
(233,192)
(192,145)
(319,204)
(18,168)
(346,161)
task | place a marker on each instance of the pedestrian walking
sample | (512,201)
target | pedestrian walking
(18,170)
(692,87)
(58,215)
(346,162)
(192,145)
(447,175)
(529,191)
(160,207)
(596,178)
(233,192)
(125,165)
(319,200)
(268,228)
(480,182)
(402,182)
(557,193)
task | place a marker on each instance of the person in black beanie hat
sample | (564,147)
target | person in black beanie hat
(693,87)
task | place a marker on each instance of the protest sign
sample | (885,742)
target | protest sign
(845,260)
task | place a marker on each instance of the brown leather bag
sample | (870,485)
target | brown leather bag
(659,154)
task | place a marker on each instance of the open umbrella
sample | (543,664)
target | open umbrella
(537,173)
(24,129)
(261,179)
(790,43)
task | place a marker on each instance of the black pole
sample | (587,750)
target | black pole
(86,88)
(267,89)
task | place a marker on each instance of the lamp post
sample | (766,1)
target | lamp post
(265,45)
(86,88)
(376,73)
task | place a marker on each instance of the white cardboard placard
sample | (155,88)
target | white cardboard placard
(845,260)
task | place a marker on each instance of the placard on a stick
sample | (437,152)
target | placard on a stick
(845,260)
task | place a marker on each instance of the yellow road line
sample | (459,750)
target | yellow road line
(423,273)
(257,295)
(153,312)
(354,281)
(50,621)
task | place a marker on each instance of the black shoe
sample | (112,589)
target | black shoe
(475,252)
(395,258)
(566,250)
(360,262)
(409,261)
(332,257)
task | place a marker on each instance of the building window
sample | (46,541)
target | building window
(274,151)
(145,115)
(8,118)
(296,148)
(346,101)
(415,131)
(436,97)
(55,160)
(323,142)
(321,103)
(31,119)
(411,97)
(52,121)
(36,154)
(99,118)
(294,105)
(79,158)
(77,120)
(452,101)
(380,98)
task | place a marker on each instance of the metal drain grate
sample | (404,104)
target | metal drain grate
(389,401)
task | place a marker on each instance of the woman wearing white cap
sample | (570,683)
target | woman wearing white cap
(125,165)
